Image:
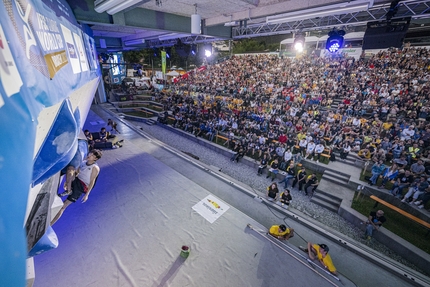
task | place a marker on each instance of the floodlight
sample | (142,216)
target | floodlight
(299,42)
(208,50)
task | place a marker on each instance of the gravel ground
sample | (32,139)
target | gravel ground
(248,175)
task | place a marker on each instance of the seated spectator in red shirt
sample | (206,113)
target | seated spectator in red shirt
(282,138)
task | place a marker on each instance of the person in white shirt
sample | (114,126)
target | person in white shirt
(303,143)
(356,122)
(80,181)
(234,125)
(319,148)
(346,148)
(262,140)
(280,150)
(407,133)
(310,149)
(288,155)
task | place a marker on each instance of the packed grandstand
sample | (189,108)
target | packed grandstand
(374,108)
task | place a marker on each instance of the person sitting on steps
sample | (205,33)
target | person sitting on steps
(272,192)
(113,125)
(285,198)
(375,220)
(273,171)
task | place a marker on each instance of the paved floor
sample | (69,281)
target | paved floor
(130,231)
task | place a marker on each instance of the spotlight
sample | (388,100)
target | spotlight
(299,42)
(193,49)
(167,53)
(335,41)
(155,51)
(208,50)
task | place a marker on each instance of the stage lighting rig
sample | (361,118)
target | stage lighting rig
(392,11)
(299,42)
(334,40)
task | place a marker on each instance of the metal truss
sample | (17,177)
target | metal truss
(417,9)
(194,39)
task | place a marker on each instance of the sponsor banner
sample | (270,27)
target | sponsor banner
(81,52)
(211,208)
(71,50)
(90,49)
(352,52)
(9,75)
(51,42)
(55,62)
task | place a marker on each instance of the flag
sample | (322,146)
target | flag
(163,61)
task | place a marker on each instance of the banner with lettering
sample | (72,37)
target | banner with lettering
(211,208)
(163,61)
(44,59)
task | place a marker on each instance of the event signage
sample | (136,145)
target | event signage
(44,60)
(211,208)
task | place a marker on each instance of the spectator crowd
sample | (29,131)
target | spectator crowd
(375,109)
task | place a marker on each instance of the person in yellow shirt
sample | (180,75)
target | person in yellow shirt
(281,232)
(387,125)
(364,154)
(301,135)
(320,251)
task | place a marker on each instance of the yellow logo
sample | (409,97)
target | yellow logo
(216,205)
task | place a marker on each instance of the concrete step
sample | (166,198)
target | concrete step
(332,198)
(324,202)
(342,177)
(350,159)
(150,122)
(336,180)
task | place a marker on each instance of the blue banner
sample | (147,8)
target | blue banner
(44,58)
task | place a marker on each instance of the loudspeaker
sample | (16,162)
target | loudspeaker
(196,24)
(182,50)
(385,34)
